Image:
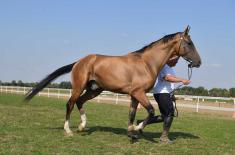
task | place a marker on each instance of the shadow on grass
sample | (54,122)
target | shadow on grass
(150,136)
(172,135)
(60,128)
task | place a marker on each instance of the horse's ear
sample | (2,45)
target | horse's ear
(186,31)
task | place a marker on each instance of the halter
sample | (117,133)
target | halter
(190,62)
(181,38)
(190,72)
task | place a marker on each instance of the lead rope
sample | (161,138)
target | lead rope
(190,72)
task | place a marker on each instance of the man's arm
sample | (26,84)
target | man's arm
(174,79)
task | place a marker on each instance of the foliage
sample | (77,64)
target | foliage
(200,91)
(217,92)
(232,92)
(66,85)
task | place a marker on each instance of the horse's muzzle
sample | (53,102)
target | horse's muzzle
(194,64)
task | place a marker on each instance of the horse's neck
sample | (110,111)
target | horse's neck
(157,57)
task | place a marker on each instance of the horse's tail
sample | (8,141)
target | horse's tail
(47,80)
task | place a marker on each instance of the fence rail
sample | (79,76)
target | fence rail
(195,102)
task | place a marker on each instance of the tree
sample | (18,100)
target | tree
(218,92)
(225,93)
(13,83)
(185,91)
(20,83)
(232,92)
(201,91)
(65,85)
(53,85)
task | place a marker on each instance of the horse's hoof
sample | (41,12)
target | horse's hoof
(81,127)
(132,135)
(133,140)
(68,134)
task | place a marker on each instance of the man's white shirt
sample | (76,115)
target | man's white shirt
(161,85)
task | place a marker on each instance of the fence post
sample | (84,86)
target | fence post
(1,88)
(234,104)
(58,93)
(24,91)
(48,92)
(197,104)
(98,99)
(117,99)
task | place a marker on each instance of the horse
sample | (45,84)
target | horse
(134,73)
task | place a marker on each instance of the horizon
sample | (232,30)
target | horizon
(59,82)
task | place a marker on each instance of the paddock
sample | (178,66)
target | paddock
(35,128)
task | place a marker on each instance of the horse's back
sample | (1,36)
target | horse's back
(119,72)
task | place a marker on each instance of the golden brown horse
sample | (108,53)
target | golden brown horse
(133,74)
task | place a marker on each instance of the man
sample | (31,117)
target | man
(163,94)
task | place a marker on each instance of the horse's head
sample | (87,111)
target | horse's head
(187,49)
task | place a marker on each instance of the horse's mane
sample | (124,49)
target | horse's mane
(164,39)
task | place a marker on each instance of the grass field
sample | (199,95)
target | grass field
(37,128)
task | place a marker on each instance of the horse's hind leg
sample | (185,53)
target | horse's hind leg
(69,108)
(88,95)
(78,87)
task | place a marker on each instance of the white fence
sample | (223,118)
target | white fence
(195,102)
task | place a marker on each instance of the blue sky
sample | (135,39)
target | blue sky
(37,37)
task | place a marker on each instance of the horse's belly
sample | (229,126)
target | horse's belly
(114,85)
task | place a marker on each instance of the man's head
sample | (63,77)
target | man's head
(172,61)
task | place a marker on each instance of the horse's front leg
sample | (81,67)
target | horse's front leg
(132,113)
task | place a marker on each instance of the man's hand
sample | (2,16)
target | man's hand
(175,79)
(186,82)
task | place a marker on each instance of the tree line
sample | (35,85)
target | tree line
(186,90)
(64,84)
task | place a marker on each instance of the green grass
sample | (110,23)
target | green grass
(37,128)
